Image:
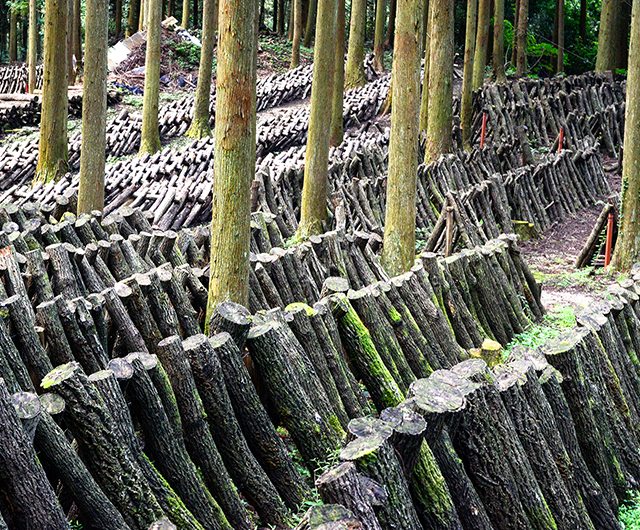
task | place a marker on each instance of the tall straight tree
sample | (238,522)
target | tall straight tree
(33,44)
(627,251)
(558,32)
(498,42)
(482,43)
(150,137)
(337,120)
(186,12)
(13,34)
(234,164)
(398,251)
(199,127)
(53,151)
(424,100)
(354,72)
(94,114)
(297,33)
(378,35)
(606,58)
(466,108)
(313,208)
(133,18)
(312,15)
(521,36)
(439,139)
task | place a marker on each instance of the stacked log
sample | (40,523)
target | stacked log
(14,78)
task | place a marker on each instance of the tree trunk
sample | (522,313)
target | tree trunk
(234,164)
(200,123)
(77,30)
(391,27)
(297,33)
(622,32)
(424,98)
(439,138)
(627,250)
(150,136)
(310,29)
(354,71)
(195,13)
(94,115)
(118,19)
(378,36)
(71,75)
(13,35)
(466,109)
(133,17)
(337,120)
(53,149)
(281,15)
(521,34)
(607,38)
(33,44)
(514,43)
(559,33)
(482,43)
(498,42)
(398,252)
(313,208)
(186,11)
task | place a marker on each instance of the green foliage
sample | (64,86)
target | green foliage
(559,319)
(186,53)
(76,525)
(630,512)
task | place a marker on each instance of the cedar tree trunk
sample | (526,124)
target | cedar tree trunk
(606,59)
(150,138)
(185,13)
(482,42)
(13,35)
(313,208)
(337,121)
(627,250)
(33,44)
(498,42)
(378,36)
(53,149)
(234,164)
(399,233)
(560,35)
(354,72)
(200,124)
(466,108)
(297,34)
(133,18)
(311,23)
(521,33)
(424,101)
(94,114)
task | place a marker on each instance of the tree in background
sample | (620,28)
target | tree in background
(498,42)
(312,14)
(313,207)
(337,119)
(424,101)
(606,59)
(558,35)
(398,251)
(133,18)
(150,137)
(627,252)
(94,112)
(378,35)
(521,35)
(33,44)
(53,153)
(297,33)
(354,71)
(482,43)
(439,139)
(186,11)
(13,34)
(199,127)
(466,108)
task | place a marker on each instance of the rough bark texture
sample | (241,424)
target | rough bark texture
(424,98)
(186,12)
(52,149)
(150,136)
(337,120)
(439,139)
(13,35)
(466,108)
(482,43)
(627,250)
(400,214)
(297,34)
(200,124)
(607,36)
(378,36)
(33,44)
(498,42)
(354,73)
(521,37)
(559,32)
(313,208)
(235,155)
(94,115)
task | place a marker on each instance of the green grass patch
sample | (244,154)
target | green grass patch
(630,512)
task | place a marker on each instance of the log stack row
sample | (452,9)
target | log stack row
(14,78)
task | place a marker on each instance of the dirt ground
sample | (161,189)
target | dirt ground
(552,258)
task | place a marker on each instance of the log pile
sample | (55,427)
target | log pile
(14,78)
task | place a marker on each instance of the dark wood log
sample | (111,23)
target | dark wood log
(210,404)
(187,315)
(329,517)
(56,342)
(257,428)
(97,434)
(29,501)
(163,312)
(231,318)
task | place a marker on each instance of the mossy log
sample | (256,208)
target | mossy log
(96,433)
(342,484)
(208,417)
(375,458)
(329,517)
(314,437)
(157,299)
(409,431)
(363,355)
(29,501)
(231,318)
(565,512)
(107,384)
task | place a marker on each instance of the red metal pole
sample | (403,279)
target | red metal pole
(484,129)
(607,251)
(560,139)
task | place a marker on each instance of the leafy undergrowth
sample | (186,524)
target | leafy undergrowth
(630,512)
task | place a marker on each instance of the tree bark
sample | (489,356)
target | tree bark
(13,35)
(466,109)
(378,36)
(200,123)
(439,139)
(354,71)
(337,119)
(234,164)
(400,215)
(607,36)
(521,36)
(186,12)
(627,251)
(424,98)
(133,17)
(391,26)
(297,34)
(482,43)
(559,32)
(94,115)
(53,149)
(310,29)
(498,42)
(313,207)
(150,136)
(33,44)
